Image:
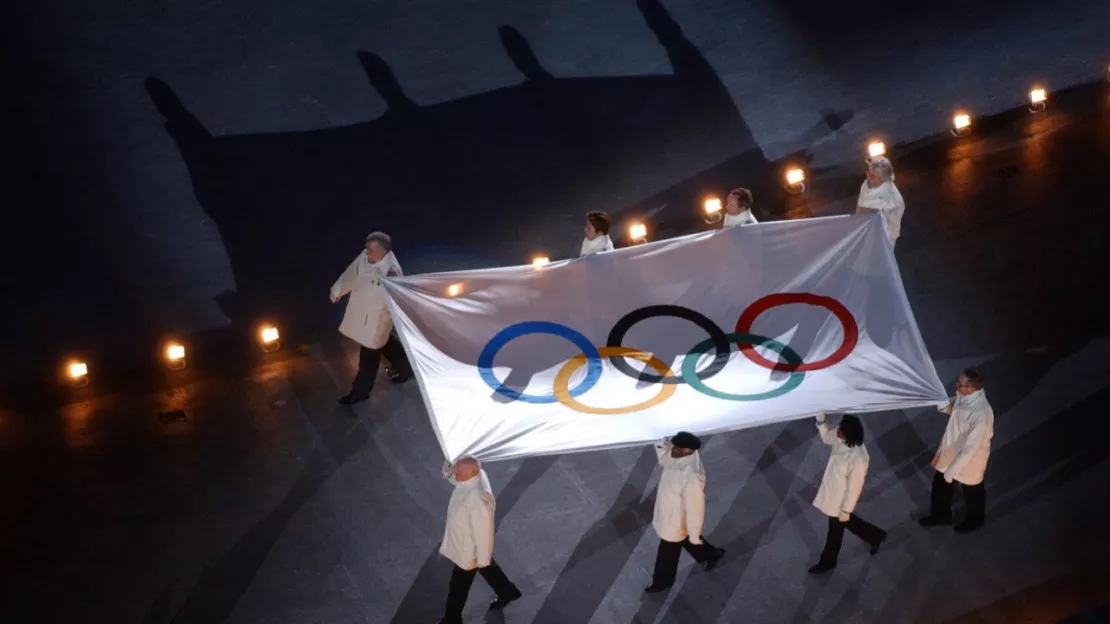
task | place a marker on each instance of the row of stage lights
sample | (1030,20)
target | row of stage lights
(269,340)
(794,178)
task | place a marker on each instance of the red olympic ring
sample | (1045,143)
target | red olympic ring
(851,329)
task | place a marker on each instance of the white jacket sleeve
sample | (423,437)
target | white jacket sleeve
(693,500)
(346,280)
(663,451)
(972,441)
(825,430)
(855,487)
(449,472)
(481,524)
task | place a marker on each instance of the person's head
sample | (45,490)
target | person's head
(377,246)
(879,170)
(970,381)
(739,200)
(597,224)
(467,468)
(850,430)
(684,443)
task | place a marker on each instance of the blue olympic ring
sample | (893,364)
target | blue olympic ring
(503,337)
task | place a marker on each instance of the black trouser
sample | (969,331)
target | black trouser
(858,526)
(461,581)
(666,560)
(975,499)
(369,359)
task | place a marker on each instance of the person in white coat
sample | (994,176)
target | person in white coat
(597,234)
(879,194)
(738,208)
(680,510)
(468,539)
(366,319)
(840,488)
(963,454)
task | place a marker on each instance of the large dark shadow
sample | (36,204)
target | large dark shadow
(292,208)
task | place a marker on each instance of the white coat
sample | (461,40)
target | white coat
(966,445)
(366,319)
(600,242)
(468,537)
(886,199)
(745,217)
(680,499)
(842,482)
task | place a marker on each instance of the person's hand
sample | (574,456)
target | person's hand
(334,299)
(947,479)
(844,516)
(821,417)
(696,541)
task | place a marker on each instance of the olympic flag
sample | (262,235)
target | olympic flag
(709,332)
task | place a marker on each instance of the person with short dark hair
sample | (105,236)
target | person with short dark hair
(366,319)
(963,454)
(840,489)
(680,510)
(597,234)
(738,208)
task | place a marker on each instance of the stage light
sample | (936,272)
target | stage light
(540,261)
(795,180)
(1038,99)
(454,290)
(175,355)
(961,123)
(713,210)
(270,338)
(876,149)
(637,232)
(78,372)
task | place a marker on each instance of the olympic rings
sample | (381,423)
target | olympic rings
(720,341)
(851,329)
(690,363)
(562,380)
(717,335)
(485,358)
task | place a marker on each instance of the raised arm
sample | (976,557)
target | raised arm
(346,280)
(826,430)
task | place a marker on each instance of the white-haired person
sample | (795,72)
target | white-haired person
(879,194)
(468,539)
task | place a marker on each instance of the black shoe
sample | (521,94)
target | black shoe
(398,378)
(874,550)
(502,602)
(656,588)
(821,568)
(967,527)
(711,562)
(931,521)
(351,398)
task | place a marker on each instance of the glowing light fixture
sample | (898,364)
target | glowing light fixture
(270,338)
(1038,99)
(713,210)
(876,149)
(78,372)
(540,261)
(795,180)
(637,232)
(961,123)
(175,355)
(454,290)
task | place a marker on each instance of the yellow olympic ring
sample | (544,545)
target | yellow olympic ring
(562,381)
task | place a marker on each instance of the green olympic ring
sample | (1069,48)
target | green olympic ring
(690,367)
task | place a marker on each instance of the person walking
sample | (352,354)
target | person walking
(680,510)
(963,455)
(840,489)
(738,208)
(366,319)
(597,234)
(879,194)
(468,539)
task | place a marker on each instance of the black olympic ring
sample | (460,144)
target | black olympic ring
(720,339)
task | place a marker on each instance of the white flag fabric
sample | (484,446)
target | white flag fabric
(710,332)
